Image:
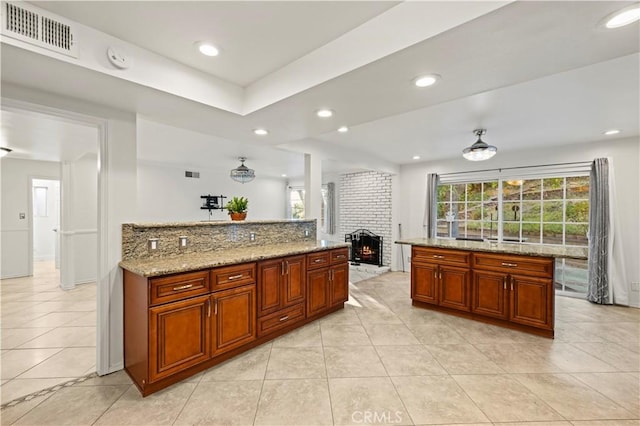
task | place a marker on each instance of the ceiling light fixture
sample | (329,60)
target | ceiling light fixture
(612,132)
(242,173)
(343,129)
(324,113)
(479,151)
(623,17)
(283,175)
(261,132)
(426,80)
(207,49)
(416,157)
(4,151)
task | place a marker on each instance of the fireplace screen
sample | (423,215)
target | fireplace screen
(366,247)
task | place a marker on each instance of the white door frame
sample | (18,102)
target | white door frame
(102,279)
(30,212)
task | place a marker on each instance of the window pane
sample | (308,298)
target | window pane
(474,211)
(577,211)
(474,192)
(532,189)
(490,191)
(530,211)
(552,233)
(552,188)
(474,229)
(490,211)
(511,232)
(443,208)
(460,210)
(511,189)
(575,276)
(576,235)
(443,228)
(511,211)
(458,192)
(490,229)
(552,211)
(531,233)
(444,192)
(578,187)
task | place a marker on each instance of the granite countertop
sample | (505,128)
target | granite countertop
(197,261)
(216,223)
(506,248)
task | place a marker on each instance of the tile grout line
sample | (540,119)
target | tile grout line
(264,378)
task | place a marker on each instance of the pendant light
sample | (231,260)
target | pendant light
(242,173)
(479,151)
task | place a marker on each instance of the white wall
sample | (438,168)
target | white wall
(625,155)
(44,236)
(166,195)
(79,233)
(16,191)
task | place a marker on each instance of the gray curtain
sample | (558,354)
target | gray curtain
(430,210)
(598,290)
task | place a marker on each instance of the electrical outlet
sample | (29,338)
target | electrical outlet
(153,244)
(306,232)
(635,286)
(252,236)
(183,242)
(408,259)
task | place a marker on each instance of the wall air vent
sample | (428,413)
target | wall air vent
(40,28)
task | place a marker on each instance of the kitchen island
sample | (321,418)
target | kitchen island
(508,284)
(230,287)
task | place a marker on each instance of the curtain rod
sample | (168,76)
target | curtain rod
(582,163)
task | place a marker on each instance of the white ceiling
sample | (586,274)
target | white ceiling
(542,73)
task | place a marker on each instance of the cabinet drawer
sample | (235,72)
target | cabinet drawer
(318,260)
(431,255)
(233,276)
(524,265)
(339,255)
(177,287)
(280,319)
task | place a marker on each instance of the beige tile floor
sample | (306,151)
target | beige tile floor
(48,335)
(382,361)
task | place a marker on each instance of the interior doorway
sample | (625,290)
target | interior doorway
(45,224)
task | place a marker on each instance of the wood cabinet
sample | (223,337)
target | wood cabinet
(515,291)
(327,281)
(179,324)
(441,277)
(281,283)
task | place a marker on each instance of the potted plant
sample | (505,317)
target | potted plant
(237,208)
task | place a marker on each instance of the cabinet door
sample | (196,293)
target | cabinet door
(178,336)
(269,286)
(234,318)
(294,280)
(424,282)
(339,289)
(455,288)
(531,301)
(490,294)
(317,291)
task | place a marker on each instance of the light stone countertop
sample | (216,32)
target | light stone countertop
(210,259)
(505,248)
(216,223)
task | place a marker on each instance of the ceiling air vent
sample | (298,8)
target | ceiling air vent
(40,28)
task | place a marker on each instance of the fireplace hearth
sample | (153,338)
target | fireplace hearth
(366,247)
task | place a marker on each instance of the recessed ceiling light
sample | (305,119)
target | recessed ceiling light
(283,175)
(623,17)
(207,49)
(324,113)
(416,157)
(343,129)
(261,132)
(612,132)
(426,80)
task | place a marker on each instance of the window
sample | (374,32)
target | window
(545,210)
(296,202)
(296,206)
(40,201)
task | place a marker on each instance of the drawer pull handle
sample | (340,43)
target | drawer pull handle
(318,260)
(437,256)
(504,283)
(234,277)
(510,265)
(284,318)
(340,256)
(182,287)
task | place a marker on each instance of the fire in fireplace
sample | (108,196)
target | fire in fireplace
(366,247)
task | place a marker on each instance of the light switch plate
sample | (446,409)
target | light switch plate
(183,242)
(153,244)
(22,215)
